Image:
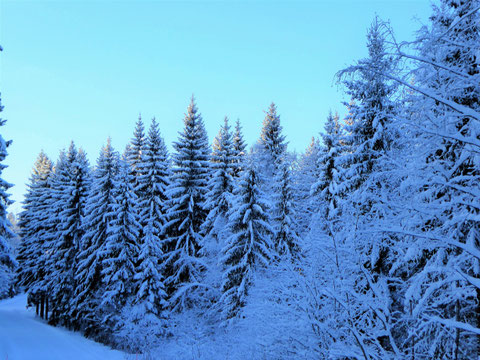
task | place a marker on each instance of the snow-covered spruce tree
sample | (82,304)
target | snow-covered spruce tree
(153,184)
(134,151)
(441,241)
(143,319)
(250,244)
(271,146)
(186,211)
(304,176)
(98,210)
(324,189)
(7,261)
(71,185)
(120,251)
(370,112)
(220,184)
(32,223)
(286,240)
(239,148)
(364,298)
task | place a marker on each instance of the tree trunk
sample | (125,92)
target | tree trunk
(46,308)
(42,306)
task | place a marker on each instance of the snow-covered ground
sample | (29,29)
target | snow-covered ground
(23,336)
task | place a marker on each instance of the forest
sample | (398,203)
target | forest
(366,246)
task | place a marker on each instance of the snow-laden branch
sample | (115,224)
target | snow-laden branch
(451,323)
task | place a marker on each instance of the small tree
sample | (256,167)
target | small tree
(220,185)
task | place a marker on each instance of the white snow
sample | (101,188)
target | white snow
(23,336)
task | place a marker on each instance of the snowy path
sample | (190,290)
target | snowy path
(25,337)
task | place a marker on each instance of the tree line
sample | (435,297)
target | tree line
(374,230)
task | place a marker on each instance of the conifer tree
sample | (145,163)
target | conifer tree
(7,262)
(120,250)
(304,176)
(186,202)
(220,185)
(371,112)
(443,293)
(98,217)
(326,187)
(71,185)
(137,144)
(153,184)
(286,242)
(250,244)
(272,145)
(239,149)
(32,222)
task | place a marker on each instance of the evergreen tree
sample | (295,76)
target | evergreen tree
(120,250)
(249,245)
(305,175)
(272,145)
(153,184)
(326,187)
(371,111)
(98,210)
(220,185)
(7,261)
(287,242)
(186,202)
(239,149)
(32,222)
(71,185)
(443,293)
(137,145)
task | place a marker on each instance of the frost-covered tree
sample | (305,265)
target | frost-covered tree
(325,189)
(120,250)
(286,240)
(271,146)
(359,260)
(441,243)
(71,185)
(304,176)
(137,144)
(221,183)
(370,111)
(98,210)
(7,262)
(32,224)
(134,152)
(153,184)
(249,246)
(186,211)
(239,148)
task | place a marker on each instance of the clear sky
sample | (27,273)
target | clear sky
(84,70)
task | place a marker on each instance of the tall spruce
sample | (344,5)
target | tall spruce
(98,218)
(443,293)
(32,224)
(71,185)
(272,145)
(186,212)
(153,184)
(120,249)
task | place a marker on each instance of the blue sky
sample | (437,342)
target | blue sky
(84,70)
